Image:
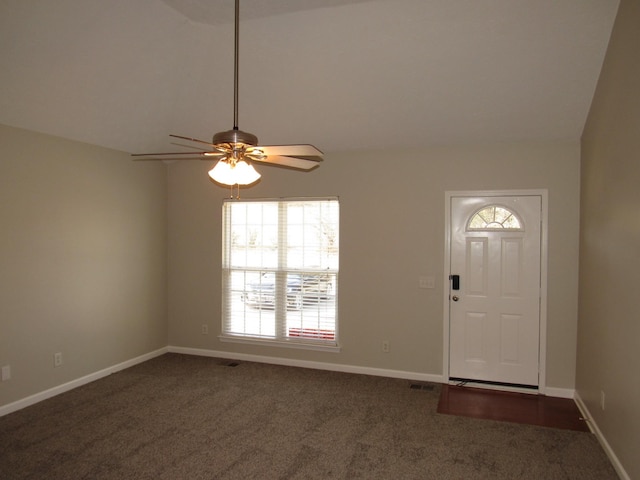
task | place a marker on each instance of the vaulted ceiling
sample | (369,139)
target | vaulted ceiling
(340,74)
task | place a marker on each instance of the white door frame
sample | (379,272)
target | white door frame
(543,194)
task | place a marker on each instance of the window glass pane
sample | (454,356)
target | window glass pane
(500,215)
(312,235)
(251,305)
(253,234)
(312,309)
(494,217)
(280,270)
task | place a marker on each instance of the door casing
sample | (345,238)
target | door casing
(543,194)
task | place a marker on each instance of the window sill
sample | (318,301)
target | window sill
(279,343)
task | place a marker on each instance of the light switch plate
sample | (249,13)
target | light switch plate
(427,281)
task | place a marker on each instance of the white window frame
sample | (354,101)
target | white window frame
(236,269)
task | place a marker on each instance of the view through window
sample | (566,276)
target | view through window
(280,270)
(494,217)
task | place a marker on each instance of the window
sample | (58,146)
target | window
(280,271)
(494,217)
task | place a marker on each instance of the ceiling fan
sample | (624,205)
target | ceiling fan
(235,149)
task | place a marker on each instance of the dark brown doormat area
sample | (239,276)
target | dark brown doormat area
(513,407)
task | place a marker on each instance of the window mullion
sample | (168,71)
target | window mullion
(281,273)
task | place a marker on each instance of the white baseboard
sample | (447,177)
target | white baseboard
(334,367)
(379,372)
(559,392)
(603,441)
(65,387)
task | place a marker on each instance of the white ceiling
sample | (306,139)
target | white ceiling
(340,74)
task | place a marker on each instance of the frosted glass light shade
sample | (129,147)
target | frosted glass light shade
(245,173)
(240,174)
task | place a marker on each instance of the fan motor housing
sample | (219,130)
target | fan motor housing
(235,136)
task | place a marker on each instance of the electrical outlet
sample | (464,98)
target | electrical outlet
(57,359)
(205,329)
(602,400)
(385,346)
(6,373)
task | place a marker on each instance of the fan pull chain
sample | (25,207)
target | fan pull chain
(237,197)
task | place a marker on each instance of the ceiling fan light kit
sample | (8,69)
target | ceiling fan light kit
(235,149)
(240,173)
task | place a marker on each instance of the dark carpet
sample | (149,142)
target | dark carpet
(186,417)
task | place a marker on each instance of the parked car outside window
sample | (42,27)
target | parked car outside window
(301,289)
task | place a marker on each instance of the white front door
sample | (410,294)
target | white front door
(494,314)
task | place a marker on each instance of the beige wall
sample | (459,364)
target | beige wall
(609,321)
(392,232)
(82,260)
(83,253)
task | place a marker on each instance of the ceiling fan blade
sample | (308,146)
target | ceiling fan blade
(308,152)
(196,140)
(233,146)
(291,162)
(177,156)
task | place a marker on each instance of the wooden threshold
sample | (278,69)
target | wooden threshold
(525,408)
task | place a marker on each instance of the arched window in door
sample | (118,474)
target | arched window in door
(494,217)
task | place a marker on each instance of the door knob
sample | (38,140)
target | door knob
(455,298)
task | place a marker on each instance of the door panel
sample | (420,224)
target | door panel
(477,252)
(510,334)
(511,267)
(475,329)
(494,326)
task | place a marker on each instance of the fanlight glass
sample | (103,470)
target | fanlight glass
(239,174)
(494,217)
